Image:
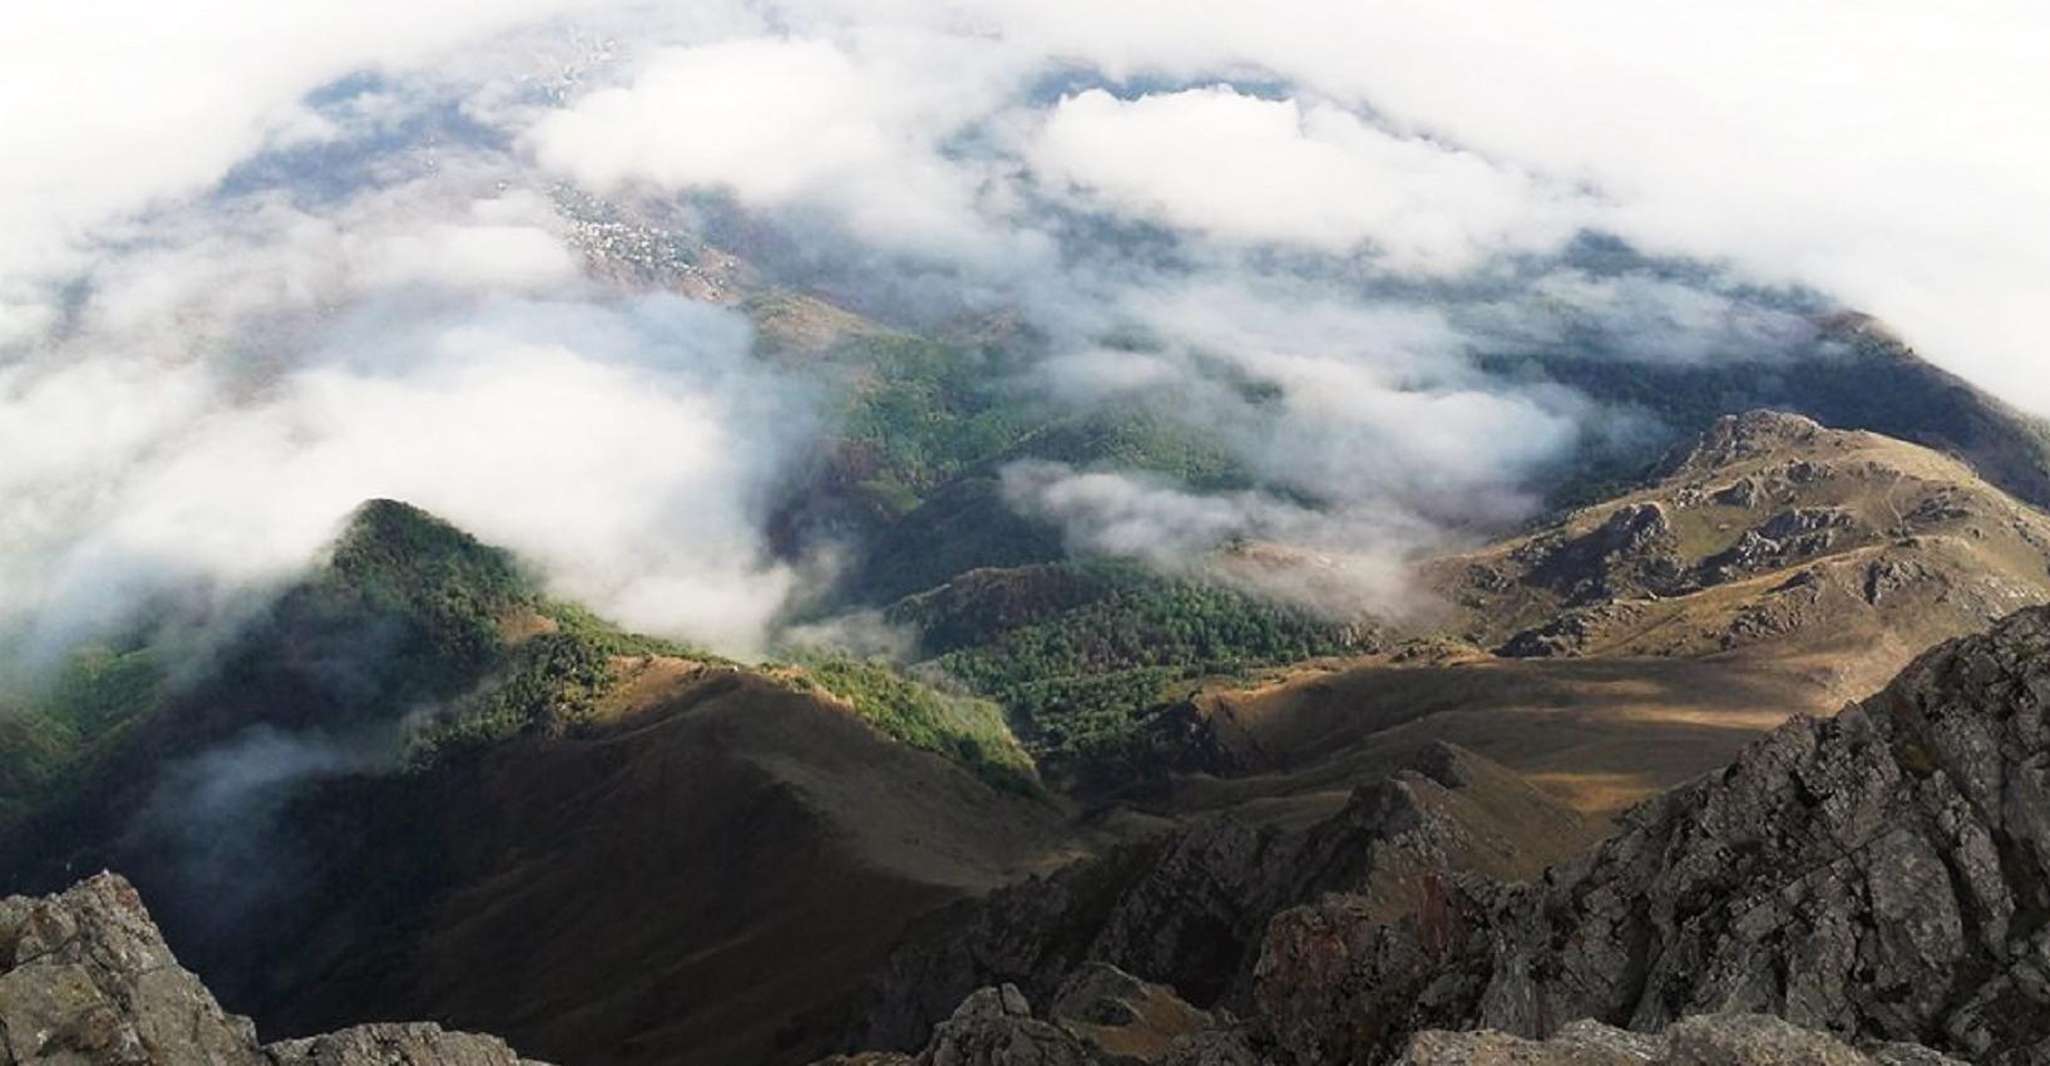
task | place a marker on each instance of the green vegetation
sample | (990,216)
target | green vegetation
(547,684)
(968,730)
(452,588)
(920,413)
(1143,622)
(551,683)
(1083,655)
(49,734)
(928,425)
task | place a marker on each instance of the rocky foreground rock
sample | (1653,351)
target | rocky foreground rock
(996,1027)
(1702,1040)
(86,979)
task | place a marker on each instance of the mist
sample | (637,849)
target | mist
(263,268)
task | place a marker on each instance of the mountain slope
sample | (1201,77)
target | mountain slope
(1188,908)
(706,871)
(1854,374)
(412,780)
(1776,568)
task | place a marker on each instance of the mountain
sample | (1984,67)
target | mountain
(1854,373)
(414,786)
(1776,567)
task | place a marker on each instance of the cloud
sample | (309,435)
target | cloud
(112,107)
(265,261)
(1218,162)
(1889,153)
(1342,562)
(787,122)
(238,377)
(1639,317)
(612,445)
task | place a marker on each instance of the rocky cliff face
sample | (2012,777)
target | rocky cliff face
(1882,875)
(1189,908)
(86,979)
(1721,1039)
(996,1027)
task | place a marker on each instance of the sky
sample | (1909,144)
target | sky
(264,261)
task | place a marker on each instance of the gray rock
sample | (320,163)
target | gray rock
(1702,1040)
(1189,910)
(407,1044)
(995,1027)
(86,979)
(1128,1021)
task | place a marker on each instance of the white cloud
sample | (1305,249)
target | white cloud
(619,448)
(782,122)
(770,119)
(110,107)
(1239,167)
(1344,562)
(294,346)
(1891,153)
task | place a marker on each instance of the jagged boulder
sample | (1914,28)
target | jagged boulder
(1884,874)
(406,1044)
(995,1027)
(1102,1017)
(1129,1021)
(1703,1040)
(86,979)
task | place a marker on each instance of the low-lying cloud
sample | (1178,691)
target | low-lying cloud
(1242,168)
(264,263)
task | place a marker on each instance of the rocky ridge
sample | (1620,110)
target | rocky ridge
(1188,908)
(1769,527)
(1723,1039)
(1872,888)
(996,1026)
(1883,875)
(86,979)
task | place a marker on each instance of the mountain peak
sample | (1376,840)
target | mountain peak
(399,554)
(1750,435)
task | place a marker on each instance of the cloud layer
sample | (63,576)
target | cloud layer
(264,262)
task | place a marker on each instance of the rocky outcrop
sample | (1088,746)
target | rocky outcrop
(1702,1040)
(1630,552)
(996,1027)
(1104,1017)
(1739,438)
(86,978)
(1189,909)
(1883,875)
(406,1044)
